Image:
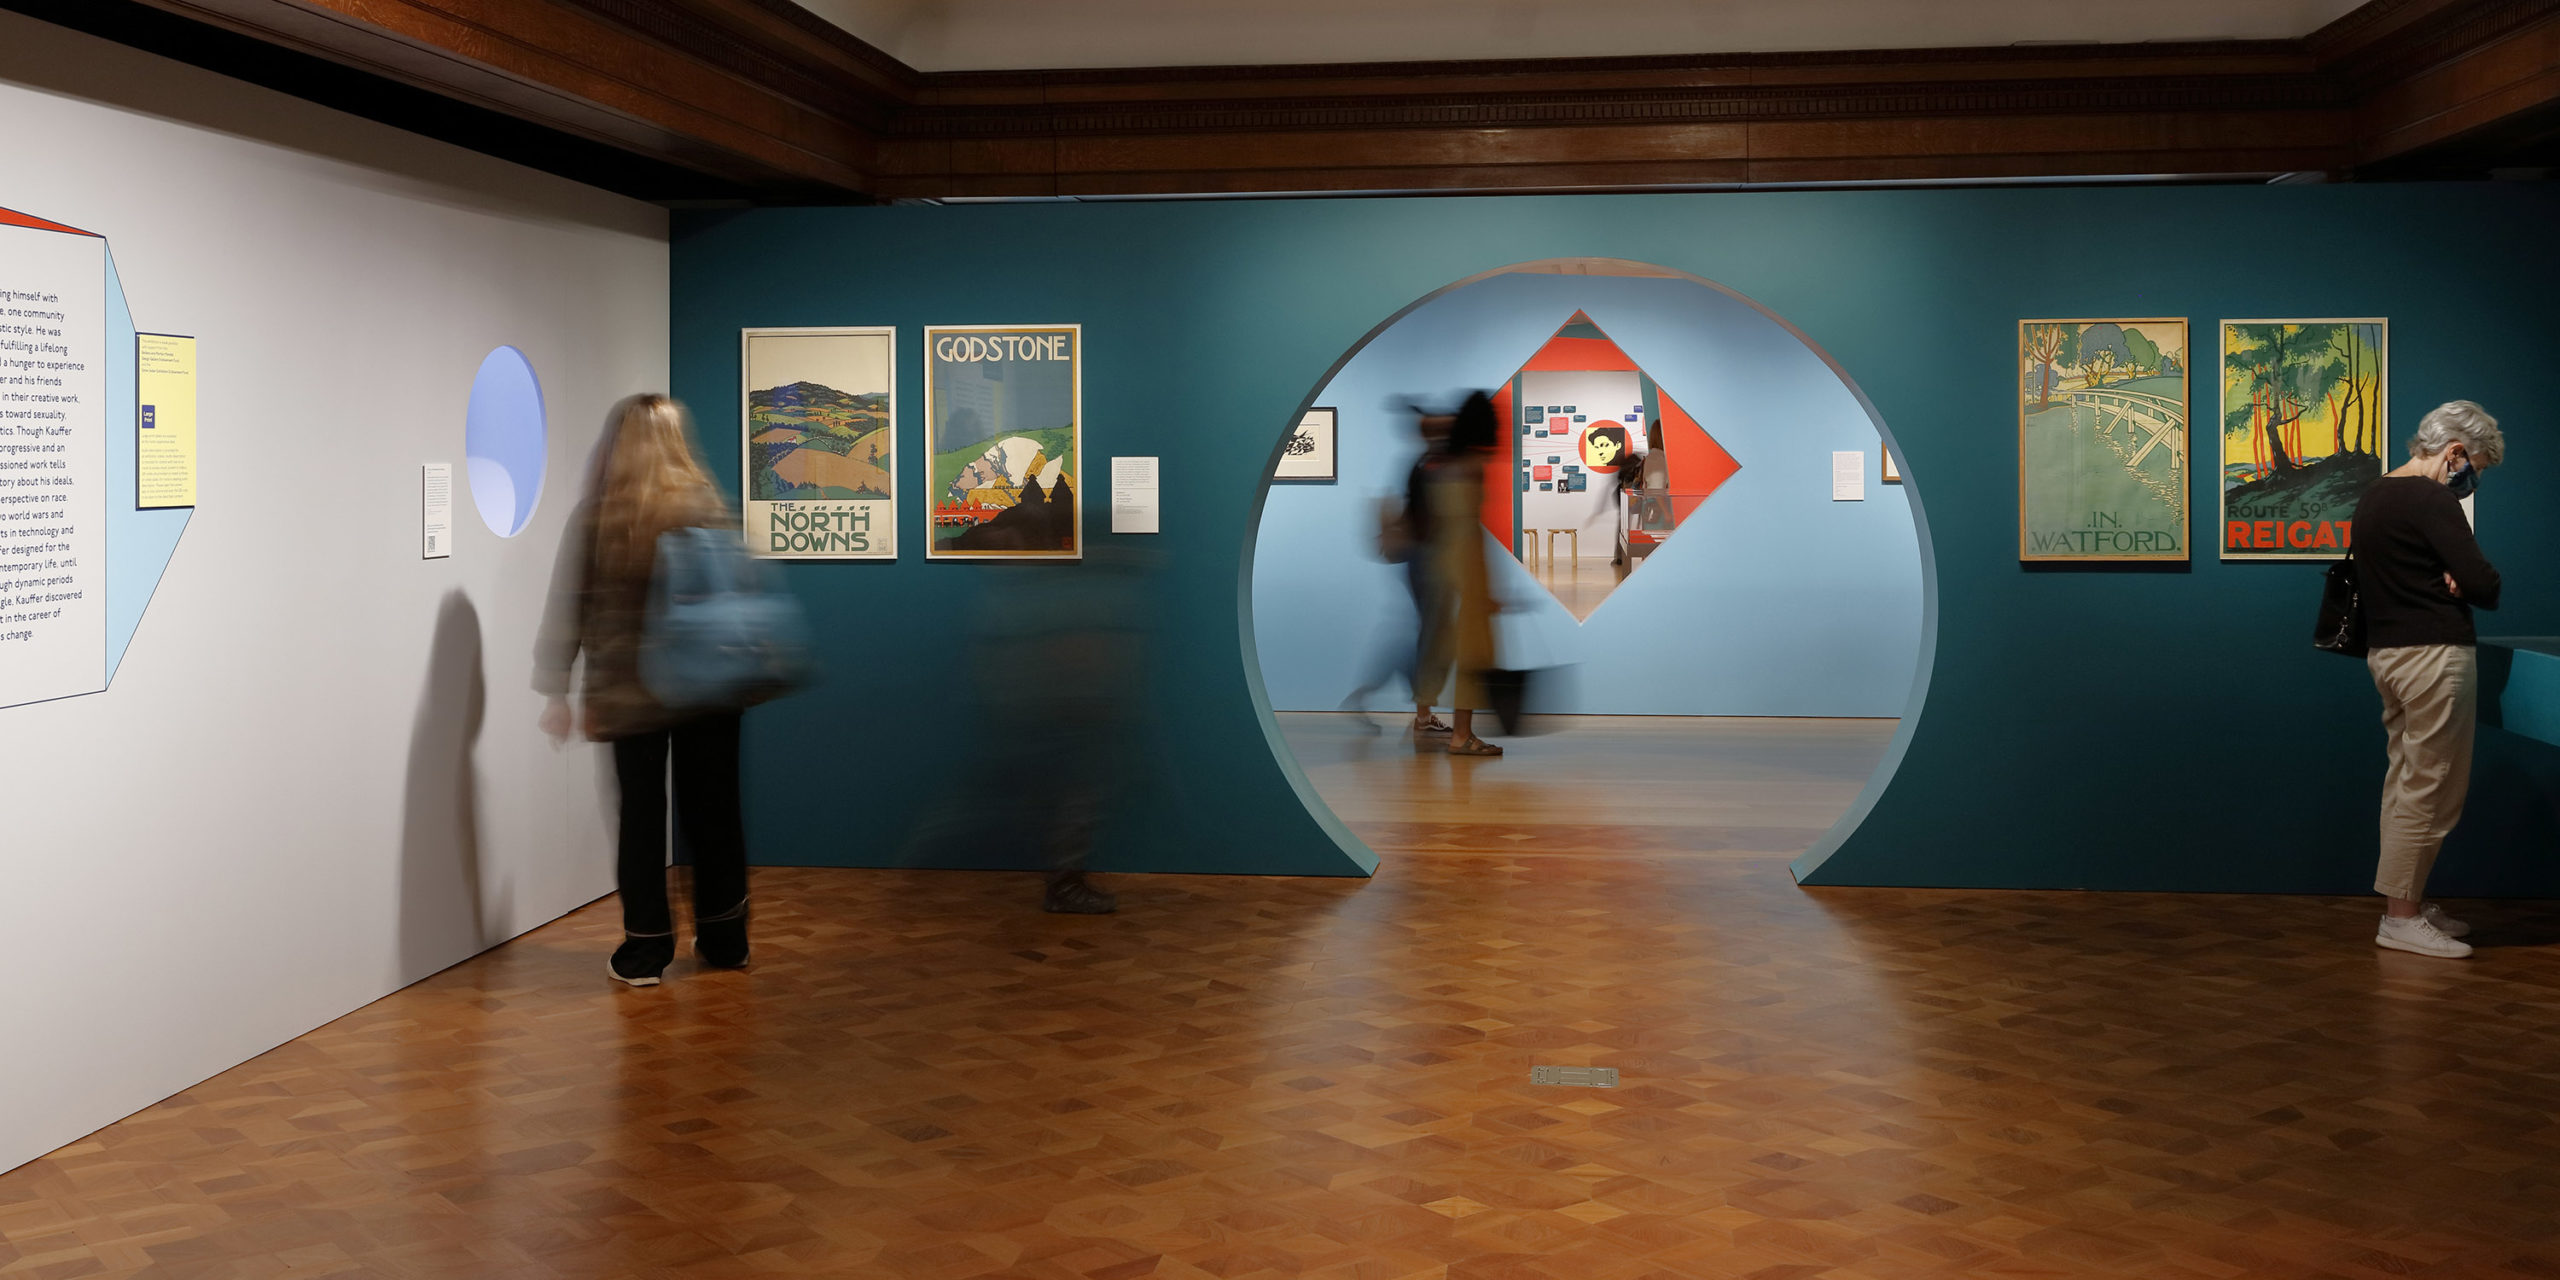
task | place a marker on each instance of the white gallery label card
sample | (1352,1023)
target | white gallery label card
(1133,495)
(435,511)
(1849,475)
(53,463)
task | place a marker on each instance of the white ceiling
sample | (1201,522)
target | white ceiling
(976,35)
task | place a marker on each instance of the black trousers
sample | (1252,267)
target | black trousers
(705,753)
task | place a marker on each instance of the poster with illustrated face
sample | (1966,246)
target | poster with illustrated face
(821,462)
(1606,447)
(1004,431)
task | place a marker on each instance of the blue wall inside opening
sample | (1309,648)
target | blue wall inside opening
(1772,599)
(2082,728)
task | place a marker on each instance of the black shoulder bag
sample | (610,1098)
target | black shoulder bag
(2340,629)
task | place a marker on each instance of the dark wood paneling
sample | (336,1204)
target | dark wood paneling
(2254,107)
(764,95)
(2515,73)
(561,66)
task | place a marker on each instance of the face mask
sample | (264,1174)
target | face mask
(2462,479)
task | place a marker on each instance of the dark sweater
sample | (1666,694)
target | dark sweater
(2409,533)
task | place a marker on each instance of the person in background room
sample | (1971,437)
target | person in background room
(1648,473)
(648,479)
(2419,576)
(1457,620)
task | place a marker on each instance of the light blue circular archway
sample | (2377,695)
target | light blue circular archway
(1894,677)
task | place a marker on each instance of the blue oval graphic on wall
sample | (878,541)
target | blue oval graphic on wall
(505,441)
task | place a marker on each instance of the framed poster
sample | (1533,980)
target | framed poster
(2102,439)
(1309,453)
(1892,470)
(2303,433)
(819,441)
(1004,430)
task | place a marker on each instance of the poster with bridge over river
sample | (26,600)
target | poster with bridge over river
(2102,440)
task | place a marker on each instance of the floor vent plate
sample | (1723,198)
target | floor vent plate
(1583,1077)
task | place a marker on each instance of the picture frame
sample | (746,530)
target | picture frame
(2304,428)
(818,442)
(2104,439)
(1308,456)
(1004,441)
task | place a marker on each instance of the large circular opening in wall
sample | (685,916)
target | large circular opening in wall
(506,441)
(1692,528)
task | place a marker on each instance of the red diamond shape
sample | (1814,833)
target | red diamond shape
(1699,465)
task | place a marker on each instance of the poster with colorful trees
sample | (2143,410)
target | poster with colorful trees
(2304,432)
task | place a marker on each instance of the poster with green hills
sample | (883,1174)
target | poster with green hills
(821,459)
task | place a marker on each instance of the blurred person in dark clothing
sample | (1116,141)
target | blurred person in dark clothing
(1404,538)
(1061,657)
(648,478)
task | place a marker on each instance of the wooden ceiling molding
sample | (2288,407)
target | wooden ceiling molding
(2464,68)
(582,69)
(765,95)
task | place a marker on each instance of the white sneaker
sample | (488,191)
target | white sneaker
(2419,935)
(2451,927)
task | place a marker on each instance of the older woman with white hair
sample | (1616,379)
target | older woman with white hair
(2419,575)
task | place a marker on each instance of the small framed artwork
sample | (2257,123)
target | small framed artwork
(1308,456)
(1892,472)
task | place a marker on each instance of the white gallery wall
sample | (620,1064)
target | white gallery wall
(315,776)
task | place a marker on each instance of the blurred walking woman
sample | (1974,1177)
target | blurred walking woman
(2419,575)
(1457,613)
(648,479)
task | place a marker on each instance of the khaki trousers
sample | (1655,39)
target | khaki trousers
(2430,700)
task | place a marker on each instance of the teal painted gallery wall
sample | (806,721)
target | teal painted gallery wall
(2074,726)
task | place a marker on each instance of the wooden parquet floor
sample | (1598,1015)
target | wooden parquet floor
(1598,784)
(1240,1078)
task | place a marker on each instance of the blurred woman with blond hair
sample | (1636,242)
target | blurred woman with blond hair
(648,479)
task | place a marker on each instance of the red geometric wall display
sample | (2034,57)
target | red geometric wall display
(1699,465)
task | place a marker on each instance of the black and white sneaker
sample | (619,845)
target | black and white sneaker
(639,961)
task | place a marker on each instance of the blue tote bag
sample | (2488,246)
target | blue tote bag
(716,634)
